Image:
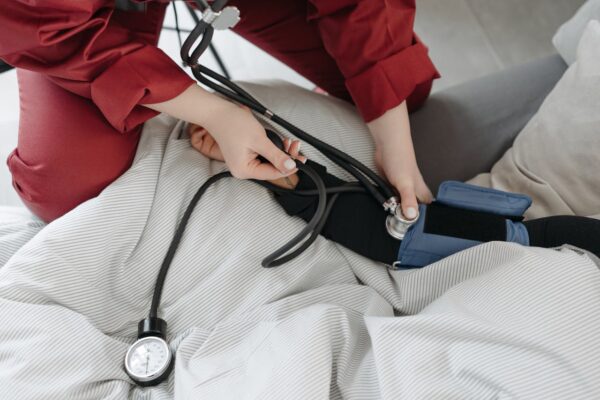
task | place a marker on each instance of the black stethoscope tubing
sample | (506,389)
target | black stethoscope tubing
(313,228)
(368,181)
(381,190)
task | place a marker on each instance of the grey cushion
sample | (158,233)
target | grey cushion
(568,36)
(462,131)
(555,158)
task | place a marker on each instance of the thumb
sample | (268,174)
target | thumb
(408,200)
(280,160)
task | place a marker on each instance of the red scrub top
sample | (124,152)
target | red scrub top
(110,56)
(86,68)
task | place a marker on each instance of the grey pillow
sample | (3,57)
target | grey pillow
(568,35)
(555,158)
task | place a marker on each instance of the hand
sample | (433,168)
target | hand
(395,158)
(292,147)
(241,139)
(205,144)
(400,168)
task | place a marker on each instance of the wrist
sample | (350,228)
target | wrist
(214,110)
(394,125)
(195,105)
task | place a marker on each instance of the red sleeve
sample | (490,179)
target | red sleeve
(80,47)
(376,50)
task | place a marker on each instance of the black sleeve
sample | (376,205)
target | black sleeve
(555,231)
(356,221)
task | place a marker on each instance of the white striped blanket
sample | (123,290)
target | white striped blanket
(498,321)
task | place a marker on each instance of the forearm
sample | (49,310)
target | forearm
(194,105)
(393,125)
(395,157)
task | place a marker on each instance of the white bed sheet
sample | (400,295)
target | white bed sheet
(497,321)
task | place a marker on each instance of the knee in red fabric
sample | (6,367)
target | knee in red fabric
(52,189)
(67,152)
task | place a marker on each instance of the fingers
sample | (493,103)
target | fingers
(204,143)
(292,147)
(197,137)
(279,159)
(408,199)
(265,171)
(286,145)
(210,148)
(423,193)
(192,128)
(412,195)
(268,171)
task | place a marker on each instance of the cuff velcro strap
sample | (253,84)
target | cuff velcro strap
(470,197)
(464,224)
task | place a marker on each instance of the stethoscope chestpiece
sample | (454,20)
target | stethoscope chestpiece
(397,224)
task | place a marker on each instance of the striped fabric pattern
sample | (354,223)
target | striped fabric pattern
(17,227)
(496,321)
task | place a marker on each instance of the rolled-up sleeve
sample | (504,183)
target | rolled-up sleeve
(376,49)
(79,46)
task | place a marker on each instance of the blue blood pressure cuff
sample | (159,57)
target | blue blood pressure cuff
(463,216)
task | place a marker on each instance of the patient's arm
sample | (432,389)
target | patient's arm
(242,138)
(356,222)
(205,143)
(555,231)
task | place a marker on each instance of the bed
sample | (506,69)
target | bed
(330,324)
(495,321)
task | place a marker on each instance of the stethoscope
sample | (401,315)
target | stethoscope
(149,360)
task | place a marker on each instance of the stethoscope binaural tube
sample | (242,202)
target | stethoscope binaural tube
(203,30)
(373,183)
(273,260)
(380,190)
(152,330)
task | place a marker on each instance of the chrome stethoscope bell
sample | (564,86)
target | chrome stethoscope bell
(397,224)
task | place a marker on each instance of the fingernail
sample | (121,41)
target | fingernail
(289,164)
(411,213)
(299,145)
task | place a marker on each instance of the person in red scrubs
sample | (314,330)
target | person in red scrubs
(90,74)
